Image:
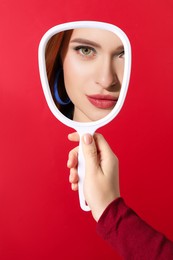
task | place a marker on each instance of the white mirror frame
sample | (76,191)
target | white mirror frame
(86,127)
(45,84)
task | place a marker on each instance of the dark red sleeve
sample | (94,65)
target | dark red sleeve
(130,236)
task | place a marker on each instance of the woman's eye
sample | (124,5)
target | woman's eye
(121,55)
(85,51)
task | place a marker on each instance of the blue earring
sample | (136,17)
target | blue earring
(56,94)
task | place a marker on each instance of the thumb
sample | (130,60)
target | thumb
(90,152)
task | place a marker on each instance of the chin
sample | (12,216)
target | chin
(98,117)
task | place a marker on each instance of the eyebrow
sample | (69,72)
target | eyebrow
(94,44)
(85,41)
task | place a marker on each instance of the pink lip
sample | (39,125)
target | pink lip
(102,101)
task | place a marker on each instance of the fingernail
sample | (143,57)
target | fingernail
(88,139)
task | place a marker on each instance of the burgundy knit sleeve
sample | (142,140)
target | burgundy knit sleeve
(130,236)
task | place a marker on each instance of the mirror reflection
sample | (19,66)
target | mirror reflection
(85,68)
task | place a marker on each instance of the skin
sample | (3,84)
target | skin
(101,183)
(93,63)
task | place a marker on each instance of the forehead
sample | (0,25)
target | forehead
(103,38)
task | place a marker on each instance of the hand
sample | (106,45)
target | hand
(101,183)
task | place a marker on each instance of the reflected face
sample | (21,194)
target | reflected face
(93,65)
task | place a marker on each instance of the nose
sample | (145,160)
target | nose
(106,76)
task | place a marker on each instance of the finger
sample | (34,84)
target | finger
(106,156)
(102,146)
(74,137)
(74,186)
(90,152)
(73,177)
(73,158)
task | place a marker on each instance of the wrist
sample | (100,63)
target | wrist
(101,210)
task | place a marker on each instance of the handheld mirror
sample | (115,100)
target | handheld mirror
(85,70)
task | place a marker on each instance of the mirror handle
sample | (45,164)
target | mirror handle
(81,165)
(81,174)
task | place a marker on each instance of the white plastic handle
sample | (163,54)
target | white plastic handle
(81,165)
(81,174)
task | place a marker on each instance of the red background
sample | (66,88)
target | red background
(40,217)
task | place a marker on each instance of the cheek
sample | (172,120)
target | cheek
(72,79)
(76,74)
(71,71)
(69,75)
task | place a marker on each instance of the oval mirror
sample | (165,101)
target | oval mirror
(85,70)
